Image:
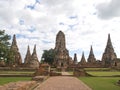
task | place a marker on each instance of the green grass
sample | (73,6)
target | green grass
(16,72)
(103,73)
(4,80)
(97,69)
(101,83)
(70,72)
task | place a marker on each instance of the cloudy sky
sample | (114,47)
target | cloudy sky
(84,22)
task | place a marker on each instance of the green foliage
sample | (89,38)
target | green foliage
(48,56)
(13,79)
(101,83)
(5,53)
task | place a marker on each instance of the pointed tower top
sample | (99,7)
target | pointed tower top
(75,58)
(83,59)
(109,35)
(14,42)
(83,53)
(14,46)
(91,57)
(109,40)
(60,41)
(91,50)
(28,49)
(109,47)
(60,32)
(34,62)
(28,56)
(34,50)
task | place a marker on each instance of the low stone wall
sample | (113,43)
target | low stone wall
(39,78)
(13,75)
(21,85)
(80,72)
(53,73)
(16,69)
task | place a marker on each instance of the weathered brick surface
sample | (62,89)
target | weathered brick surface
(63,83)
(21,85)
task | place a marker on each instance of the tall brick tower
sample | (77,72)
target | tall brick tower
(34,62)
(28,56)
(62,54)
(91,57)
(16,54)
(75,59)
(83,60)
(109,55)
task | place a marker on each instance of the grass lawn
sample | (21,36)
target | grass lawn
(101,83)
(70,72)
(16,72)
(97,69)
(4,80)
(103,73)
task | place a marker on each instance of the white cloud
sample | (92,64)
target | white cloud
(109,10)
(41,24)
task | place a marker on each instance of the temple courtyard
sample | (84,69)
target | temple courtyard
(102,79)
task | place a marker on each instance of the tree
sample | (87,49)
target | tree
(48,56)
(4,45)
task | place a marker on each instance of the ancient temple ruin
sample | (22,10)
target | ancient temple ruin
(31,61)
(83,60)
(62,59)
(91,57)
(109,55)
(75,59)
(17,60)
(28,56)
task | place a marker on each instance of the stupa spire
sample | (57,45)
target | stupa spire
(14,48)
(109,55)
(83,61)
(28,56)
(34,62)
(91,57)
(75,59)
(34,50)
(60,41)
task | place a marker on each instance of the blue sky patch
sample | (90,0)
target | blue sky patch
(32,6)
(61,23)
(73,17)
(32,29)
(46,42)
(37,1)
(20,36)
(24,36)
(72,26)
(21,22)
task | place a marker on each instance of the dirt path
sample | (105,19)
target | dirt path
(63,83)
